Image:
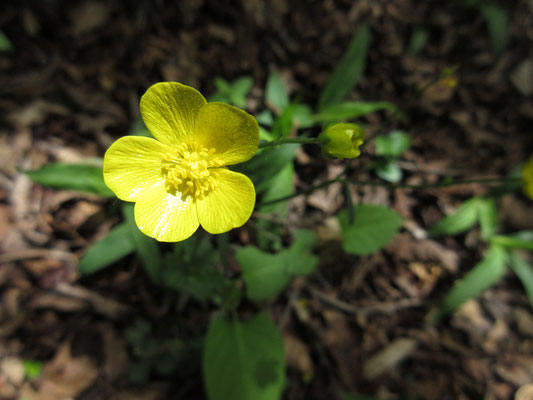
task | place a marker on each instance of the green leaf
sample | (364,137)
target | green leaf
(298,258)
(117,244)
(239,90)
(461,220)
(146,247)
(242,85)
(418,41)
(244,360)
(32,369)
(484,275)
(191,269)
(498,23)
(266,164)
(351,110)
(302,115)
(524,271)
(265,118)
(281,185)
(348,71)
(373,228)
(80,177)
(389,171)
(223,86)
(393,144)
(269,232)
(488,217)
(233,93)
(276,92)
(266,275)
(284,124)
(520,240)
(5,43)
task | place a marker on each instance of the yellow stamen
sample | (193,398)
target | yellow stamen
(186,170)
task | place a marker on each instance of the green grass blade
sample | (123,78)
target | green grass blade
(117,244)
(80,177)
(348,71)
(484,275)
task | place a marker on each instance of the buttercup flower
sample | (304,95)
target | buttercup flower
(179,181)
(342,141)
(527,177)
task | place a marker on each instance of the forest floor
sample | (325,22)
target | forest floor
(71,86)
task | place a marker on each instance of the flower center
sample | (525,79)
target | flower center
(186,170)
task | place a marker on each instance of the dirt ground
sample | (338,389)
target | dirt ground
(71,85)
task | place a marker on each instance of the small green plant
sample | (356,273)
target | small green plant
(503,251)
(389,148)
(193,177)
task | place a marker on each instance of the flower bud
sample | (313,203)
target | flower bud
(342,141)
(527,177)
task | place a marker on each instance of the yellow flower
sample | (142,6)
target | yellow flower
(342,141)
(179,181)
(527,177)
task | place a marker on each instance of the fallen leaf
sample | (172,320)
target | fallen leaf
(389,357)
(297,355)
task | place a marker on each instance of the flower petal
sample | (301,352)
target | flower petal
(132,164)
(165,217)
(229,205)
(232,132)
(170,109)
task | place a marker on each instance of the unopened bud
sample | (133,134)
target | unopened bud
(342,141)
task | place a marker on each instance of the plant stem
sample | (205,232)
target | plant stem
(392,185)
(286,141)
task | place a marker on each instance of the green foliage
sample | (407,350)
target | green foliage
(117,244)
(497,20)
(191,268)
(122,240)
(485,274)
(267,163)
(80,177)
(284,124)
(302,115)
(389,148)
(276,93)
(393,144)
(418,40)
(519,240)
(269,232)
(498,23)
(464,218)
(146,247)
(373,227)
(348,71)
(488,217)
(5,43)
(244,360)
(351,110)
(233,93)
(389,171)
(153,354)
(266,275)
(524,271)
(32,369)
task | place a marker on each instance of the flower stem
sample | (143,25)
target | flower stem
(286,141)
(446,183)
